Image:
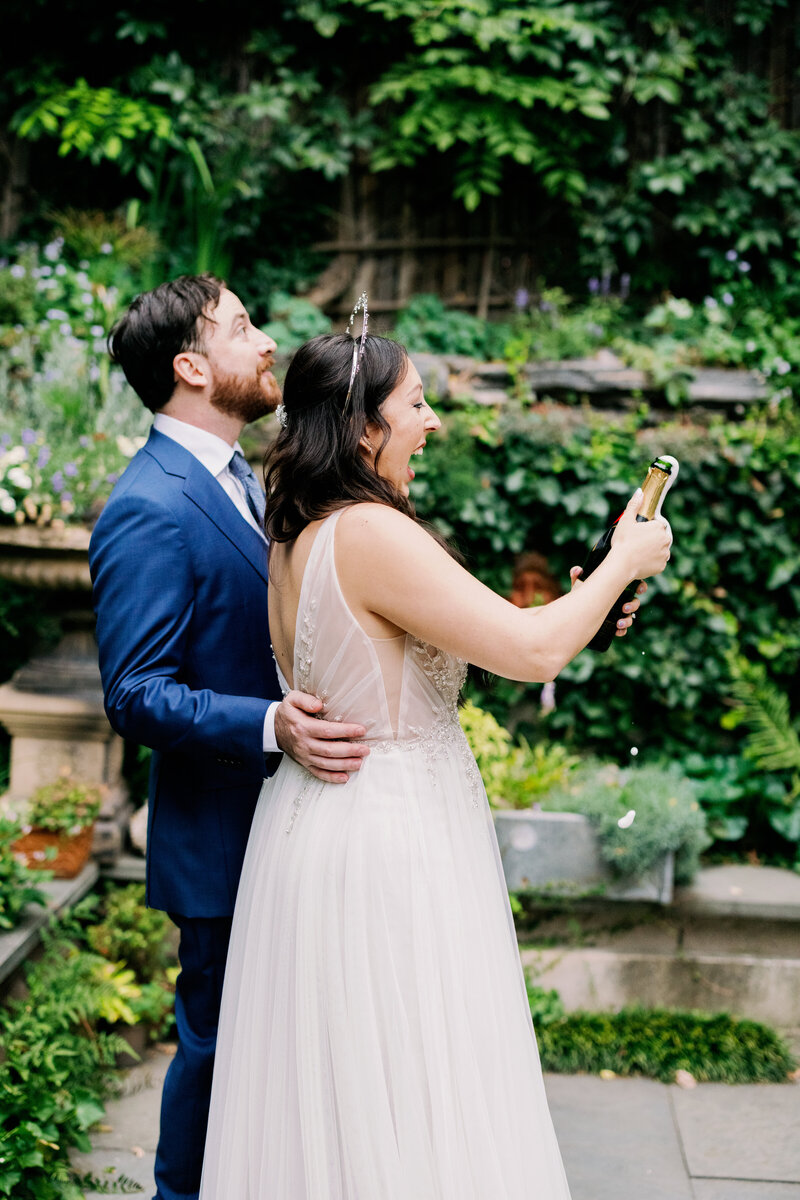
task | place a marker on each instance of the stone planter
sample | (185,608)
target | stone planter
(53,706)
(558,854)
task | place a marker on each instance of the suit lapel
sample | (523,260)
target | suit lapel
(205,493)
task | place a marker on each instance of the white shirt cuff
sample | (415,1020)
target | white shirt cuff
(270,744)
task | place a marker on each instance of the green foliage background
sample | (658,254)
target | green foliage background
(552,478)
(647,140)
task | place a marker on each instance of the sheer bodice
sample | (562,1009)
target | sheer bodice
(399,688)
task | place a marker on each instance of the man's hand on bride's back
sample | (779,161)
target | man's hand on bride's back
(328,749)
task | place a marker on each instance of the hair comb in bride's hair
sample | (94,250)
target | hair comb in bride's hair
(358,348)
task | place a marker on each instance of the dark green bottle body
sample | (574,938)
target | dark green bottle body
(605,634)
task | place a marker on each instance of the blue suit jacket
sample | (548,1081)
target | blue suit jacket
(180,592)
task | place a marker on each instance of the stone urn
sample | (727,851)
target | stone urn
(53,705)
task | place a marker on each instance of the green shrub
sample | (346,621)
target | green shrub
(426,326)
(17,883)
(668,815)
(293,321)
(657,1043)
(57,1068)
(132,932)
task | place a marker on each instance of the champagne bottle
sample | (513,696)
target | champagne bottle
(662,474)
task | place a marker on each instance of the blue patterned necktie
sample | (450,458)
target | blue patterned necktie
(256,501)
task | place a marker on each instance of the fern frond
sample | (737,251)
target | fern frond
(773,741)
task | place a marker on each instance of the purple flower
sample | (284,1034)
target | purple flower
(57,481)
(521,298)
(112,477)
(70,469)
(744,267)
(83,441)
(28,437)
(5,440)
(594,285)
(545,306)
(605,283)
(44,457)
(727,298)
(731,255)
(624,286)
(66,497)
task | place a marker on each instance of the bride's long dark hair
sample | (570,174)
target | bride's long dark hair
(315,464)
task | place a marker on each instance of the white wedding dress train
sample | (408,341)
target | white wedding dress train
(375,1040)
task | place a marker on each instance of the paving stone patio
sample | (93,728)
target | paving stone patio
(622,1139)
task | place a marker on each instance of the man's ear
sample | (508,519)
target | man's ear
(191,368)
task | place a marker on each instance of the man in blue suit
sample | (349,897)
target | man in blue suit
(179,566)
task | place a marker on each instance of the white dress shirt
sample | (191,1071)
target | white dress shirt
(215,454)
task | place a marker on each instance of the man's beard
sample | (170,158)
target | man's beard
(245,398)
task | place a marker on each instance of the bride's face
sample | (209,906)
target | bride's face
(410,419)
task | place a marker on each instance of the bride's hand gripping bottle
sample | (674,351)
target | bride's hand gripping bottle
(662,474)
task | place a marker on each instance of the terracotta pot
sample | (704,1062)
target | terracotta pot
(72,851)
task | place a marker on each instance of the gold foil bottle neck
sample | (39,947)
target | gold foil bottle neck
(652,491)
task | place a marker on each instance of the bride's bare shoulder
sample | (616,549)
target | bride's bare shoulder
(373,520)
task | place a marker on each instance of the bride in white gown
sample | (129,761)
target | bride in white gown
(375,1040)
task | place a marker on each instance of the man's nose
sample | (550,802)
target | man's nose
(269,345)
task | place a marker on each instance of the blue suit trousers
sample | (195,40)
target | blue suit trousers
(187,1087)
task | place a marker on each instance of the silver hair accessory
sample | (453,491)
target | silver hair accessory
(358,348)
(282,415)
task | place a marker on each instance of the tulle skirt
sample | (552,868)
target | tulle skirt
(375,1040)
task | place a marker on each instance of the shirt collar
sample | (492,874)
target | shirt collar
(213,452)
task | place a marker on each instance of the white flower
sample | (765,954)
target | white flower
(681,309)
(782,367)
(750,345)
(710,302)
(97,331)
(65,328)
(106,248)
(626,821)
(56,314)
(87,298)
(19,477)
(129,445)
(53,249)
(727,298)
(61,269)
(17,271)
(16,454)
(7,502)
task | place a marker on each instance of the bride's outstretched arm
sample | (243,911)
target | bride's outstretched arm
(391,568)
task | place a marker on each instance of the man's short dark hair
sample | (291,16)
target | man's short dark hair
(157,326)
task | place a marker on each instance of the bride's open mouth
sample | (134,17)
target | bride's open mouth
(418,451)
